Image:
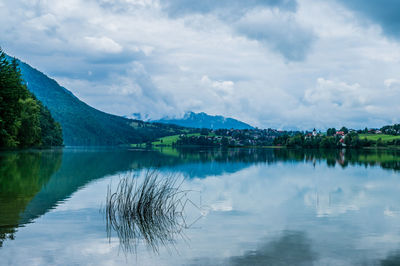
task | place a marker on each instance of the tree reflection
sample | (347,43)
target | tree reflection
(22,175)
(386,159)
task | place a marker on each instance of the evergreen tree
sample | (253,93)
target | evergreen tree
(24,121)
(50,129)
(29,133)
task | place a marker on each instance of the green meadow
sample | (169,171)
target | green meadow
(169,140)
(375,137)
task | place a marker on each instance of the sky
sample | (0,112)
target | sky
(286,64)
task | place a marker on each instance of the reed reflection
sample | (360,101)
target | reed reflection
(152,210)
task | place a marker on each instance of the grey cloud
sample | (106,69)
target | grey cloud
(280,32)
(137,86)
(122,92)
(384,12)
(123,6)
(96,66)
(271,23)
(120,58)
(177,8)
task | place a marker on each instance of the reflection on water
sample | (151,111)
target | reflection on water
(263,206)
(152,210)
(290,248)
(387,159)
(22,176)
(391,260)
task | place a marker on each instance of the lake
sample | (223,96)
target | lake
(242,207)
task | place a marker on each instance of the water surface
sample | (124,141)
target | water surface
(250,207)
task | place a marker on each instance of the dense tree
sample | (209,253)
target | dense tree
(345,130)
(391,130)
(204,132)
(29,132)
(196,140)
(51,132)
(331,131)
(24,121)
(224,141)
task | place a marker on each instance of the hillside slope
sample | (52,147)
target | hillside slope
(203,120)
(85,125)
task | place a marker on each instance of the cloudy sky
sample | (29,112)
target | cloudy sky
(272,63)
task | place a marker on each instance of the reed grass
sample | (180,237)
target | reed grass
(150,210)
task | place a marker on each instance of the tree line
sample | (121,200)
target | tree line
(24,120)
(351,140)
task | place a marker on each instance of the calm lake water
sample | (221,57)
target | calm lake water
(244,207)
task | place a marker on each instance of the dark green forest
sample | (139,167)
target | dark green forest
(24,120)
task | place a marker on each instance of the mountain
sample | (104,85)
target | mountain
(203,120)
(84,125)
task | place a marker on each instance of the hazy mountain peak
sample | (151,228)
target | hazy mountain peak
(204,120)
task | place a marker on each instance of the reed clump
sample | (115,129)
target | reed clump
(150,210)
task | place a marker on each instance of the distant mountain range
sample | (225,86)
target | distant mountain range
(203,120)
(84,125)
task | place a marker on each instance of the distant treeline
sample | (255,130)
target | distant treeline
(230,137)
(24,120)
(323,141)
(343,139)
(391,130)
(332,138)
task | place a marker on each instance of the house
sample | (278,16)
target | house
(340,133)
(342,142)
(314,133)
(309,135)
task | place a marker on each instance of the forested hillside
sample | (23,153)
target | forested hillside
(24,120)
(85,125)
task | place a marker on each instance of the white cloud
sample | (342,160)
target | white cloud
(392,83)
(103,44)
(222,88)
(44,22)
(339,94)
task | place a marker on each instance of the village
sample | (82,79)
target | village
(332,138)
